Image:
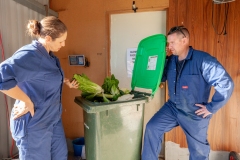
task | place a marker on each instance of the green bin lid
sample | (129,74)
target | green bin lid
(149,64)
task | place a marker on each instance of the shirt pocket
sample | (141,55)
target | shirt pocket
(18,126)
(190,87)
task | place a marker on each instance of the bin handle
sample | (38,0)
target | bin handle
(107,113)
(138,106)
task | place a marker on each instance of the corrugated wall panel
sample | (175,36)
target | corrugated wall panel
(13,21)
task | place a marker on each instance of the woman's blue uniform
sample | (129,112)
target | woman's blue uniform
(199,72)
(40,76)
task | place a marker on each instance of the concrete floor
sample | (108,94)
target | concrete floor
(72,157)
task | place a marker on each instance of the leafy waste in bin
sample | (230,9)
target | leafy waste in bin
(95,93)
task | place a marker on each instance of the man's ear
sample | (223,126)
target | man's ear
(48,39)
(185,40)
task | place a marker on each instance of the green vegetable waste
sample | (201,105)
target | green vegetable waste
(91,91)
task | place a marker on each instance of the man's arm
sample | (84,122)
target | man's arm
(215,74)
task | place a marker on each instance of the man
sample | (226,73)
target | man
(190,74)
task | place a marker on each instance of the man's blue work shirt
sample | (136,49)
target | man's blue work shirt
(199,72)
(36,72)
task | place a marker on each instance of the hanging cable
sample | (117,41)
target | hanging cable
(224,29)
(5,97)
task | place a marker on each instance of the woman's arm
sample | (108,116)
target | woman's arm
(22,108)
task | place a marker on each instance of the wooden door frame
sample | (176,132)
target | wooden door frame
(108,23)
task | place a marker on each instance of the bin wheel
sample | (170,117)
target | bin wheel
(234,156)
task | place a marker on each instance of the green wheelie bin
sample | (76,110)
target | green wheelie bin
(113,131)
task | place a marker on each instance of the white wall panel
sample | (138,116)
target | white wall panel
(127,30)
(13,21)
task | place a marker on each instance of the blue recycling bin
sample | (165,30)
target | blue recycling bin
(78,144)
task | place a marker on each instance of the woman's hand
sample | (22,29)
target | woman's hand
(25,105)
(73,84)
(22,108)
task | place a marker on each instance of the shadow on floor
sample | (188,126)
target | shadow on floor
(72,157)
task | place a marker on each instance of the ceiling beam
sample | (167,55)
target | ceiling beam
(38,7)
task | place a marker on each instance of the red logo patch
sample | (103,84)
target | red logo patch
(184,87)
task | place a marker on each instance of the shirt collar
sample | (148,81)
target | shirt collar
(42,49)
(190,52)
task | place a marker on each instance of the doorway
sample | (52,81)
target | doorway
(126,31)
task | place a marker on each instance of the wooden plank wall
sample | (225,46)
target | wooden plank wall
(224,129)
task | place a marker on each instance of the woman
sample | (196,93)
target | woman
(34,78)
